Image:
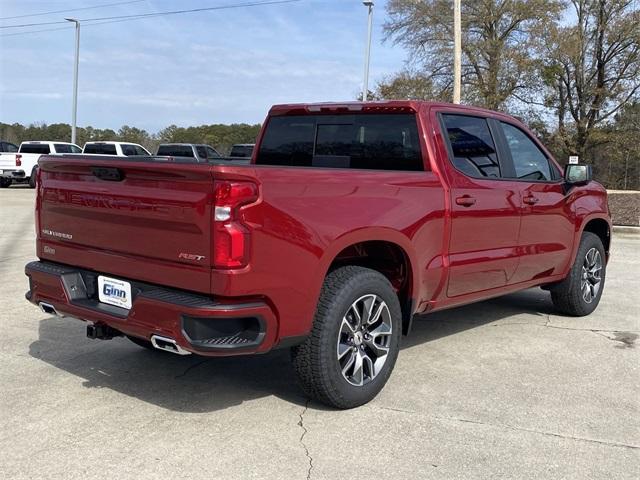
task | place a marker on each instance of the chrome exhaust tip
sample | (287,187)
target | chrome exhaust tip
(168,345)
(49,309)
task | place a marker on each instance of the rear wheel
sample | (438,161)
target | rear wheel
(5,182)
(32,178)
(355,339)
(579,293)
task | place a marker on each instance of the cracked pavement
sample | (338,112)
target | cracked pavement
(500,389)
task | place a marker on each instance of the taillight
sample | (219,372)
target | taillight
(230,235)
(18,160)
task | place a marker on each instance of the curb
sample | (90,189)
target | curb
(626,229)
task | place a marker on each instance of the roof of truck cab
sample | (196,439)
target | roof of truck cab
(99,142)
(45,142)
(383,105)
(185,144)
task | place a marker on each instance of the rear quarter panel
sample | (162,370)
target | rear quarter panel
(299,226)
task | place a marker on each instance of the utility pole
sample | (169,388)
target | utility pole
(367,54)
(74,110)
(457,51)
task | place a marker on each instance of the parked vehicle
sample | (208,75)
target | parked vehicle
(119,149)
(21,167)
(201,152)
(242,150)
(352,220)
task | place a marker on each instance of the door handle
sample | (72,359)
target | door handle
(465,201)
(530,200)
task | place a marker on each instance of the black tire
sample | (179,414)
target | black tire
(568,296)
(32,178)
(316,360)
(5,182)
(141,342)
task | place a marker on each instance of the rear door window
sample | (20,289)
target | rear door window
(140,151)
(65,148)
(9,147)
(361,141)
(41,148)
(202,152)
(211,153)
(128,150)
(472,146)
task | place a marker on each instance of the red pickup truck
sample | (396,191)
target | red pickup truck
(350,220)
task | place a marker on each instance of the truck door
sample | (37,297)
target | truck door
(547,230)
(485,207)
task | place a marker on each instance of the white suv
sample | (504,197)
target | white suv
(119,149)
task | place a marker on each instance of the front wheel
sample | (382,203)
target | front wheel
(579,294)
(354,341)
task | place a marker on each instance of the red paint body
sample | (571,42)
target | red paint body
(155,225)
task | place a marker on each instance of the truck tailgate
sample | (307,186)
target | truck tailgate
(8,161)
(146,220)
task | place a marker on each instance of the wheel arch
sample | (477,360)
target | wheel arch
(601,227)
(385,251)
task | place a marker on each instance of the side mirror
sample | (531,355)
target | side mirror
(575,174)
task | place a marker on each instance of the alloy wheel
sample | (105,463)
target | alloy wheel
(364,339)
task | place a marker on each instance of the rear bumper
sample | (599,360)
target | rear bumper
(197,323)
(12,173)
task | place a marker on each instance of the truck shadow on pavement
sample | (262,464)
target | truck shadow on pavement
(200,384)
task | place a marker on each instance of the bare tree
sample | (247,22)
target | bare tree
(498,38)
(593,67)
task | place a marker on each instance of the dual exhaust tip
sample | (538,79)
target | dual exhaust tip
(168,345)
(49,309)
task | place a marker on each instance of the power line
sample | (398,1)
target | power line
(71,10)
(157,14)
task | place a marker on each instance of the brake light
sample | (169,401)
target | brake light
(230,234)
(18,160)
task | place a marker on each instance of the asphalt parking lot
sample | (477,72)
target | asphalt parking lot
(499,389)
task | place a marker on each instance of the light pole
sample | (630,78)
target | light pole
(457,51)
(367,53)
(75,80)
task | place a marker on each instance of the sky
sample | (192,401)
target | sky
(225,66)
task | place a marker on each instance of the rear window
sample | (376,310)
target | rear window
(100,149)
(175,151)
(41,148)
(362,141)
(64,148)
(243,151)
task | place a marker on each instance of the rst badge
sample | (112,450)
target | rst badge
(191,256)
(114,292)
